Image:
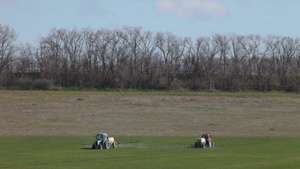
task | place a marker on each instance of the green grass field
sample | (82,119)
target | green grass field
(148,152)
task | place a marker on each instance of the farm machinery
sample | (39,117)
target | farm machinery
(104,142)
(204,141)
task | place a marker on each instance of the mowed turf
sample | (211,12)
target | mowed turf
(148,152)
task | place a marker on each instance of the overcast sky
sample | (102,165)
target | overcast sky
(33,19)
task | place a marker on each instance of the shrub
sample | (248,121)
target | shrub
(24,84)
(42,84)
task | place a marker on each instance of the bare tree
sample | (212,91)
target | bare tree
(116,50)
(133,40)
(222,44)
(50,58)
(207,52)
(251,50)
(148,68)
(90,60)
(73,52)
(295,72)
(285,49)
(24,62)
(171,49)
(103,39)
(266,65)
(121,57)
(191,65)
(236,59)
(7,47)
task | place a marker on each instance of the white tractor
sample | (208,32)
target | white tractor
(104,142)
(204,141)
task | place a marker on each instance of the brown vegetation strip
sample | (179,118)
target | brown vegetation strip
(46,113)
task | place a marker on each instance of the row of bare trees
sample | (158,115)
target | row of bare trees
(133,58)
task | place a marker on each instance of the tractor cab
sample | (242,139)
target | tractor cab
(207,136)
(209,142)
(101,136)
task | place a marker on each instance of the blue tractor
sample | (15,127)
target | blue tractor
(104,142)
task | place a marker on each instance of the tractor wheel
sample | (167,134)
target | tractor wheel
(114,145)
(106,145)
(196,145)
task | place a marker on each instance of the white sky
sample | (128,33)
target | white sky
(184,18)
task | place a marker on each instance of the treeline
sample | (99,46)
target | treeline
(135,59)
